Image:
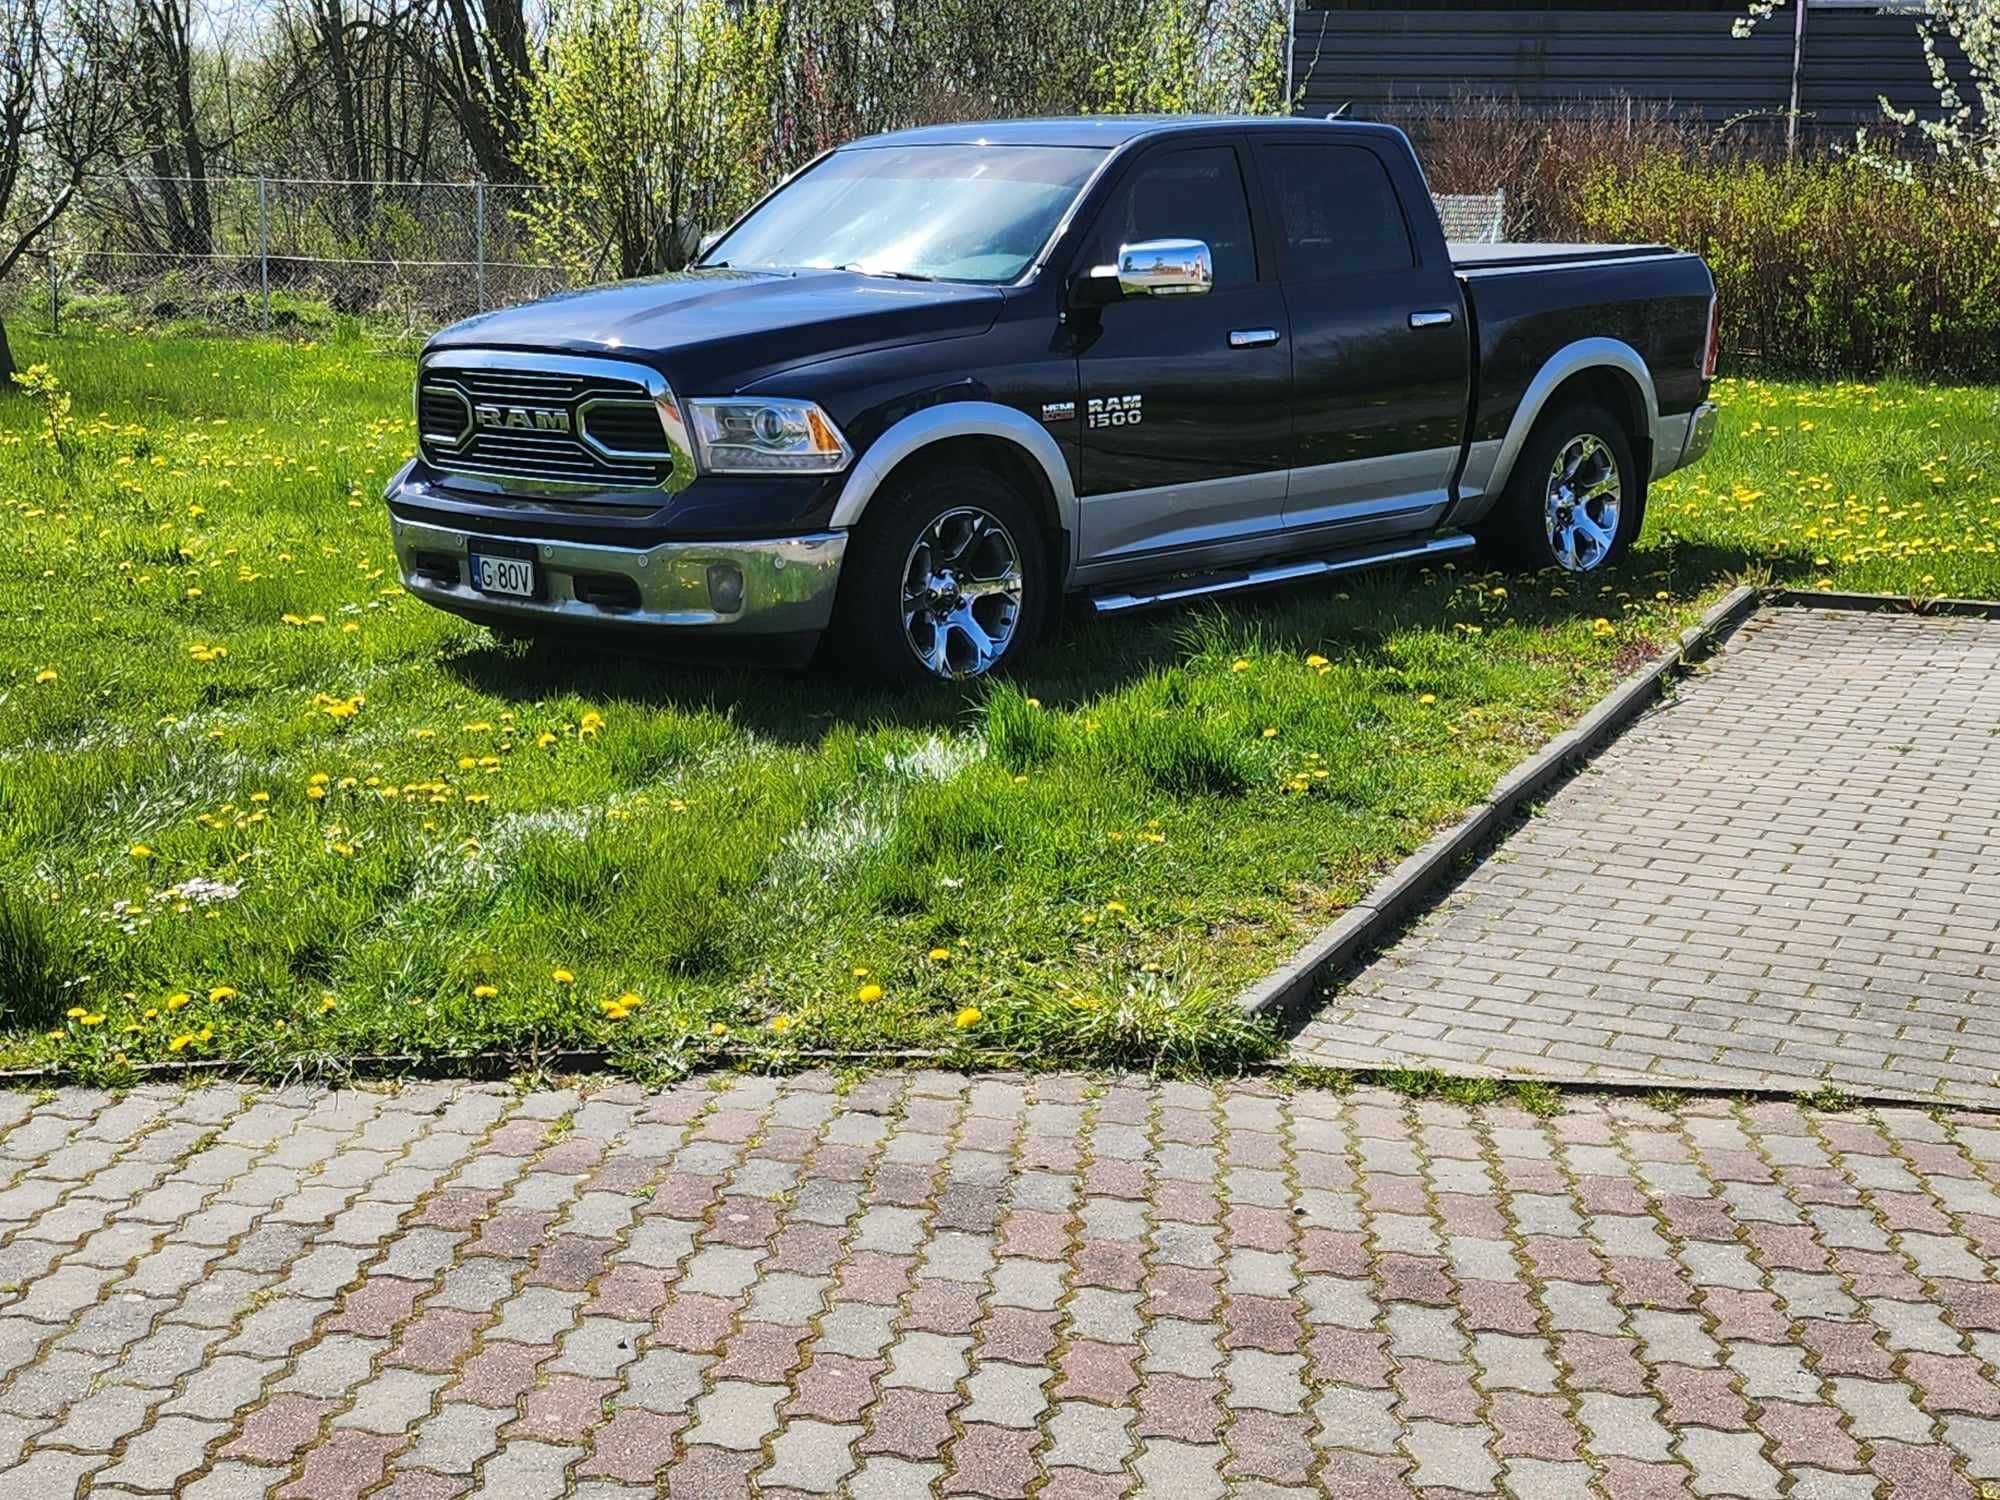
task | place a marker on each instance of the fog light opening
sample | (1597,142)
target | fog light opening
(725,588)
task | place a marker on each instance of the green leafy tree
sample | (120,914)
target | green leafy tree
(1196,57)
(649,124)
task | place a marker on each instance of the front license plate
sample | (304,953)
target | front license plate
(504,575)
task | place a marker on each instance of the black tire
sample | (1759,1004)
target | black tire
(1531,522)
(935,506)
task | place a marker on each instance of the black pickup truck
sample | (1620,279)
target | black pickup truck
(938,380)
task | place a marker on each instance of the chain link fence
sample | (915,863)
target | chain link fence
(290,253)
(297,255)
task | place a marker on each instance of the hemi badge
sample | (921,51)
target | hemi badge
(1058,411)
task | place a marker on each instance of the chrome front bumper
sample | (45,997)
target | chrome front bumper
(782,586)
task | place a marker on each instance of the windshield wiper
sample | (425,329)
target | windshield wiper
(894,275)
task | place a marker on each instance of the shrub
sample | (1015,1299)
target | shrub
(1825,263)
(1822,265)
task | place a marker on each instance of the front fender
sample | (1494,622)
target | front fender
(955,419)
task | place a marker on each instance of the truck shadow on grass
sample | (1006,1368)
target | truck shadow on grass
(1086,659)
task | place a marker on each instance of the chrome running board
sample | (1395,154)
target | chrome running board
(1113,601)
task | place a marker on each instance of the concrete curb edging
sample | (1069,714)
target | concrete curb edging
(1370,921)
(1887,604)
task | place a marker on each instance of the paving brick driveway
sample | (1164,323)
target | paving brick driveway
(928,1284)
(1789,874)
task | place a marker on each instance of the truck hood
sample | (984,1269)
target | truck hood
(714,332)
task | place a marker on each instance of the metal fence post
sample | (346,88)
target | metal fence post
(264,249)
(479,236)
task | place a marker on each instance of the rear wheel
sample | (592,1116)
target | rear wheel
(947,579)
(1576,497)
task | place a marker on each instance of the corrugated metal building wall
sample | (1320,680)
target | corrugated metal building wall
(1373,55)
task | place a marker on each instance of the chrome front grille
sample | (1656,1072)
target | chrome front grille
(550,424)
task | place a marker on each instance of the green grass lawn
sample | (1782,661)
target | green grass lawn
(256,805)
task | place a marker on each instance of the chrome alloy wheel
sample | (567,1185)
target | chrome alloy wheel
(1581,508)
(962,593)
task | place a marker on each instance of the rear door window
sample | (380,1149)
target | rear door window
(1337,211)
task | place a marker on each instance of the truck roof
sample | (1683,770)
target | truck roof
(1106,131)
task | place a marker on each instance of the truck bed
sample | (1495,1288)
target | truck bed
(1484,257)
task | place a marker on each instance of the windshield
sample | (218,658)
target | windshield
(950,213)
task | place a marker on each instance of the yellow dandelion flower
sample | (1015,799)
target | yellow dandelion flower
(1316,660)
(1239,665)
(1427,698)
(716,1028)
(966,1019)
(484,991)
(1114,906)
(780,1024)
(142,851)
(93,1019)
(860,971)
(47,674)
(221,993)
(939,955)
(868,993)
(181,1042)
(1270,734)
(179,998)
(562,976)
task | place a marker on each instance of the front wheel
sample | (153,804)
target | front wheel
(947,579)
(1576,497)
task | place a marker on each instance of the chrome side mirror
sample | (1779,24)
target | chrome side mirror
(1165,268)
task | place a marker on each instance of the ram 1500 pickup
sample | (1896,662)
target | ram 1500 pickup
(938,380)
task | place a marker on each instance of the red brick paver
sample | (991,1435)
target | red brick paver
(432,1293)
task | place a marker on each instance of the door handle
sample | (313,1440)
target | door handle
(1252,338)
(1437,317)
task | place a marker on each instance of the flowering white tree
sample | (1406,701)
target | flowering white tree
(1966,126)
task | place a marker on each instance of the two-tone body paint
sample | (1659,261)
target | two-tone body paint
(1351,424)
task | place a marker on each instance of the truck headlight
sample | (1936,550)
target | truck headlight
(765,435)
